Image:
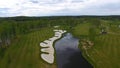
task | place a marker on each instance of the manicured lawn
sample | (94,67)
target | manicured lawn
(81,29)
(25,52)
(105,52)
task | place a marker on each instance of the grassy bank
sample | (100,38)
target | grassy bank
(106,50)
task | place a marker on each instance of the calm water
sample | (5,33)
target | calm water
(68,55)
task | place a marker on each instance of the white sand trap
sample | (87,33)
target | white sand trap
(43,45)
(56,30)
(48,50)
(49,44)
(56,26)
(48,58)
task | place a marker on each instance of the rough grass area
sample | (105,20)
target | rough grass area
(25,52)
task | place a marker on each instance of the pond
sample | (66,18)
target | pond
(68,54)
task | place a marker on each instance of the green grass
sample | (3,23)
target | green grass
(115,29)
(81,29)
(25,52)
(106,50)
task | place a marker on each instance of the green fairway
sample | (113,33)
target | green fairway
(25,52)
(82,29)
(105,52)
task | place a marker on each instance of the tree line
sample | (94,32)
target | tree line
(11,27)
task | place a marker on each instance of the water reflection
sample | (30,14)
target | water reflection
(68,54)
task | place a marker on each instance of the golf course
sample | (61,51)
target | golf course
(20,38)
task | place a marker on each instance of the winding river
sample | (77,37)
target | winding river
(68,54)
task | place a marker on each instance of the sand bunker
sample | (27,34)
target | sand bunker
(48,46)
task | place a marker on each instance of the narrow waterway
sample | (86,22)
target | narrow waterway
(68,54)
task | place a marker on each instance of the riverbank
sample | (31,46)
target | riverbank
(67,50)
